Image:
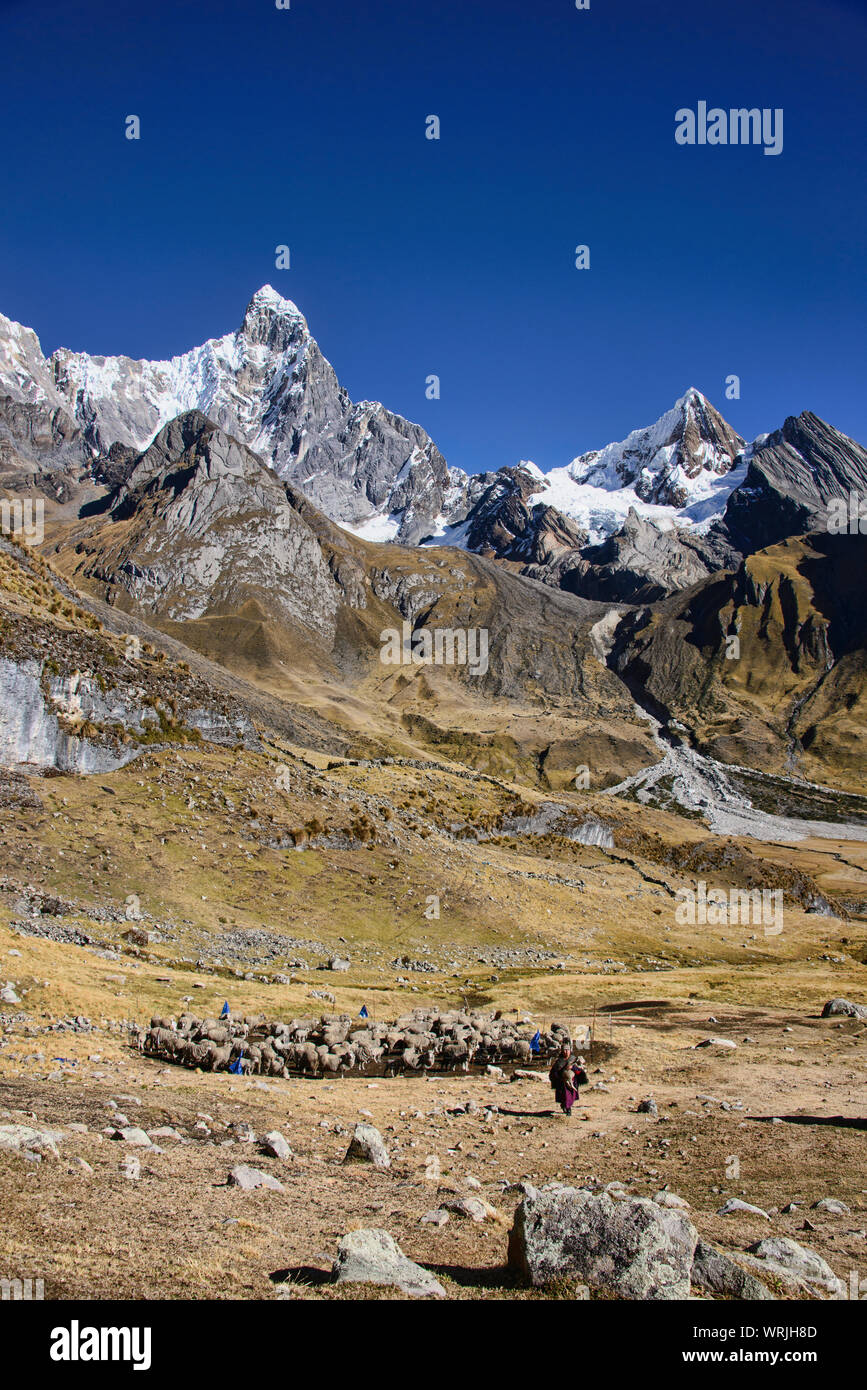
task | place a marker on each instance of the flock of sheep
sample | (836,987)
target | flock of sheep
(423,1040)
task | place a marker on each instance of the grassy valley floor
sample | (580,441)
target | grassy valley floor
(251,869)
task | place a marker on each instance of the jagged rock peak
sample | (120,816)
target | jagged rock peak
(663,461)
(271,320)
(268,385)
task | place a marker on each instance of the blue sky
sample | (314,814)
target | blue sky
(456,257)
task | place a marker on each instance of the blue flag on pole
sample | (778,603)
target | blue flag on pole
(225,1011)
(236,1067)
(535,1041)
(364,1013)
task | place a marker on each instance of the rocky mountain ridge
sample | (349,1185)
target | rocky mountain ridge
(269,386)
(668,506)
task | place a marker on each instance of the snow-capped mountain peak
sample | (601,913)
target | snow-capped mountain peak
(679,471)
(24,373)
(269,318)
(637,518)
(372,471)
(270,386)
(662,461)
(267,297)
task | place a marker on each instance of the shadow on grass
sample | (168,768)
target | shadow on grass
(841,1121)
(301,1274)
(469,1277)
(537,1114)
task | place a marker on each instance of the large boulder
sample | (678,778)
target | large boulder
(631,1247)
(844,1008)
(373,1257)
(367,1146)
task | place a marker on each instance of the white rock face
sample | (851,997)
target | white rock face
(30,732)
(593,832)
(32,708)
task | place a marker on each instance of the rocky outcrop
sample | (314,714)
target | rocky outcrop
(766,666)
(503,524)
(75,724)
(793,475)
(31,733)
(203,527)
(641,563)
(39,441)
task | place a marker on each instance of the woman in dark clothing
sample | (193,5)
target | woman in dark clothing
(563,1080)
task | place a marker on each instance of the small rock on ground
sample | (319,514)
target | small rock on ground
(373,1257)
